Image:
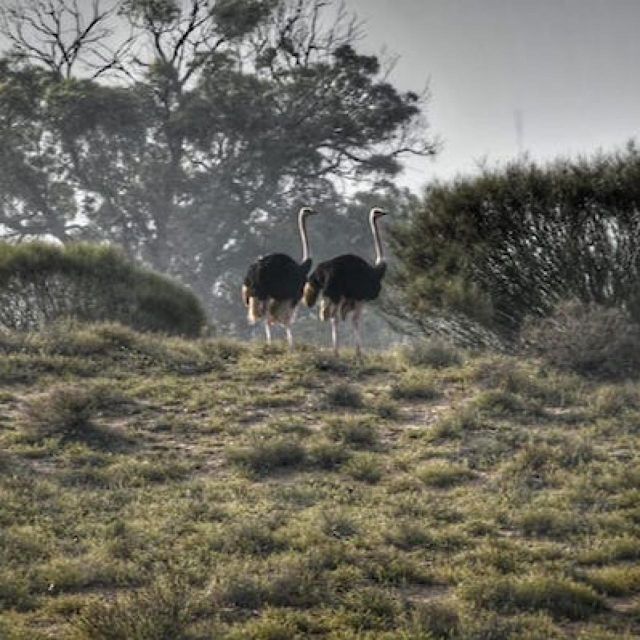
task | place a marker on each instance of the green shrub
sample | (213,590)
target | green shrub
(513,240)
(434,353)
(588,339)
(41,283)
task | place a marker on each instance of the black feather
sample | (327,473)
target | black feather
(277,276)
(348,277)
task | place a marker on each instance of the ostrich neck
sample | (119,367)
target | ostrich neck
(302,225)
(376,241)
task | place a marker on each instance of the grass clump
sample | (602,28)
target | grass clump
(456,423)
(327,455)
(502,403)
(344,396)
(615,581)
(443,475)
(415,386)
(614,400)
(357,432)
(159,611)
(364,467)
(263,457)
(548,522)
(371,608)
(621,549)
(67,412)
(439,618)
(559,597)
(435,353)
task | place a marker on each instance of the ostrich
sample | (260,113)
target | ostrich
(273,285)
(346,283)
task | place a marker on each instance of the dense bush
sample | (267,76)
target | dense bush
(483,253)
(588,339)
(41,283)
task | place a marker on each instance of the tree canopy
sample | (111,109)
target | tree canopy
(186,131)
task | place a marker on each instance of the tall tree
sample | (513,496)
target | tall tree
(185,131)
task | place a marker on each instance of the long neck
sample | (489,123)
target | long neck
(302,226)
(376,240)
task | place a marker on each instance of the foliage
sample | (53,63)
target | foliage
(587,338)
(192,140)
(42,283)
(511,243)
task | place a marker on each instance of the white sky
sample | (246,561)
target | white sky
(569,66)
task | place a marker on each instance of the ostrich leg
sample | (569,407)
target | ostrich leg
(287,321)
(356,319)
(267,330)
(287,328)
(334,335)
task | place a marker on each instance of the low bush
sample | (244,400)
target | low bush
(435,353)
(588,339)
(42,283)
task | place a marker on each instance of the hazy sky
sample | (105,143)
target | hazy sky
(570,67)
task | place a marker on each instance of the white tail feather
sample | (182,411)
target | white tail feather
(256,310)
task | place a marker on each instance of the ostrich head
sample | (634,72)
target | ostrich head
(307,211)
(376,213)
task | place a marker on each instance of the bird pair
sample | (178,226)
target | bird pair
(275,284)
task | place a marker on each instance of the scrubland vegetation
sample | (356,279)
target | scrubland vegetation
(156,488)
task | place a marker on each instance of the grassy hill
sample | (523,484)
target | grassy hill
(156,489)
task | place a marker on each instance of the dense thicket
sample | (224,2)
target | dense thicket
(486,252)
(41,283)
(189,133)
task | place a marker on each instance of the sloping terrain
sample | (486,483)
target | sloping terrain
(155,488)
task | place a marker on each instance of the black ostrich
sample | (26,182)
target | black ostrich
(346,283)
(273,285)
